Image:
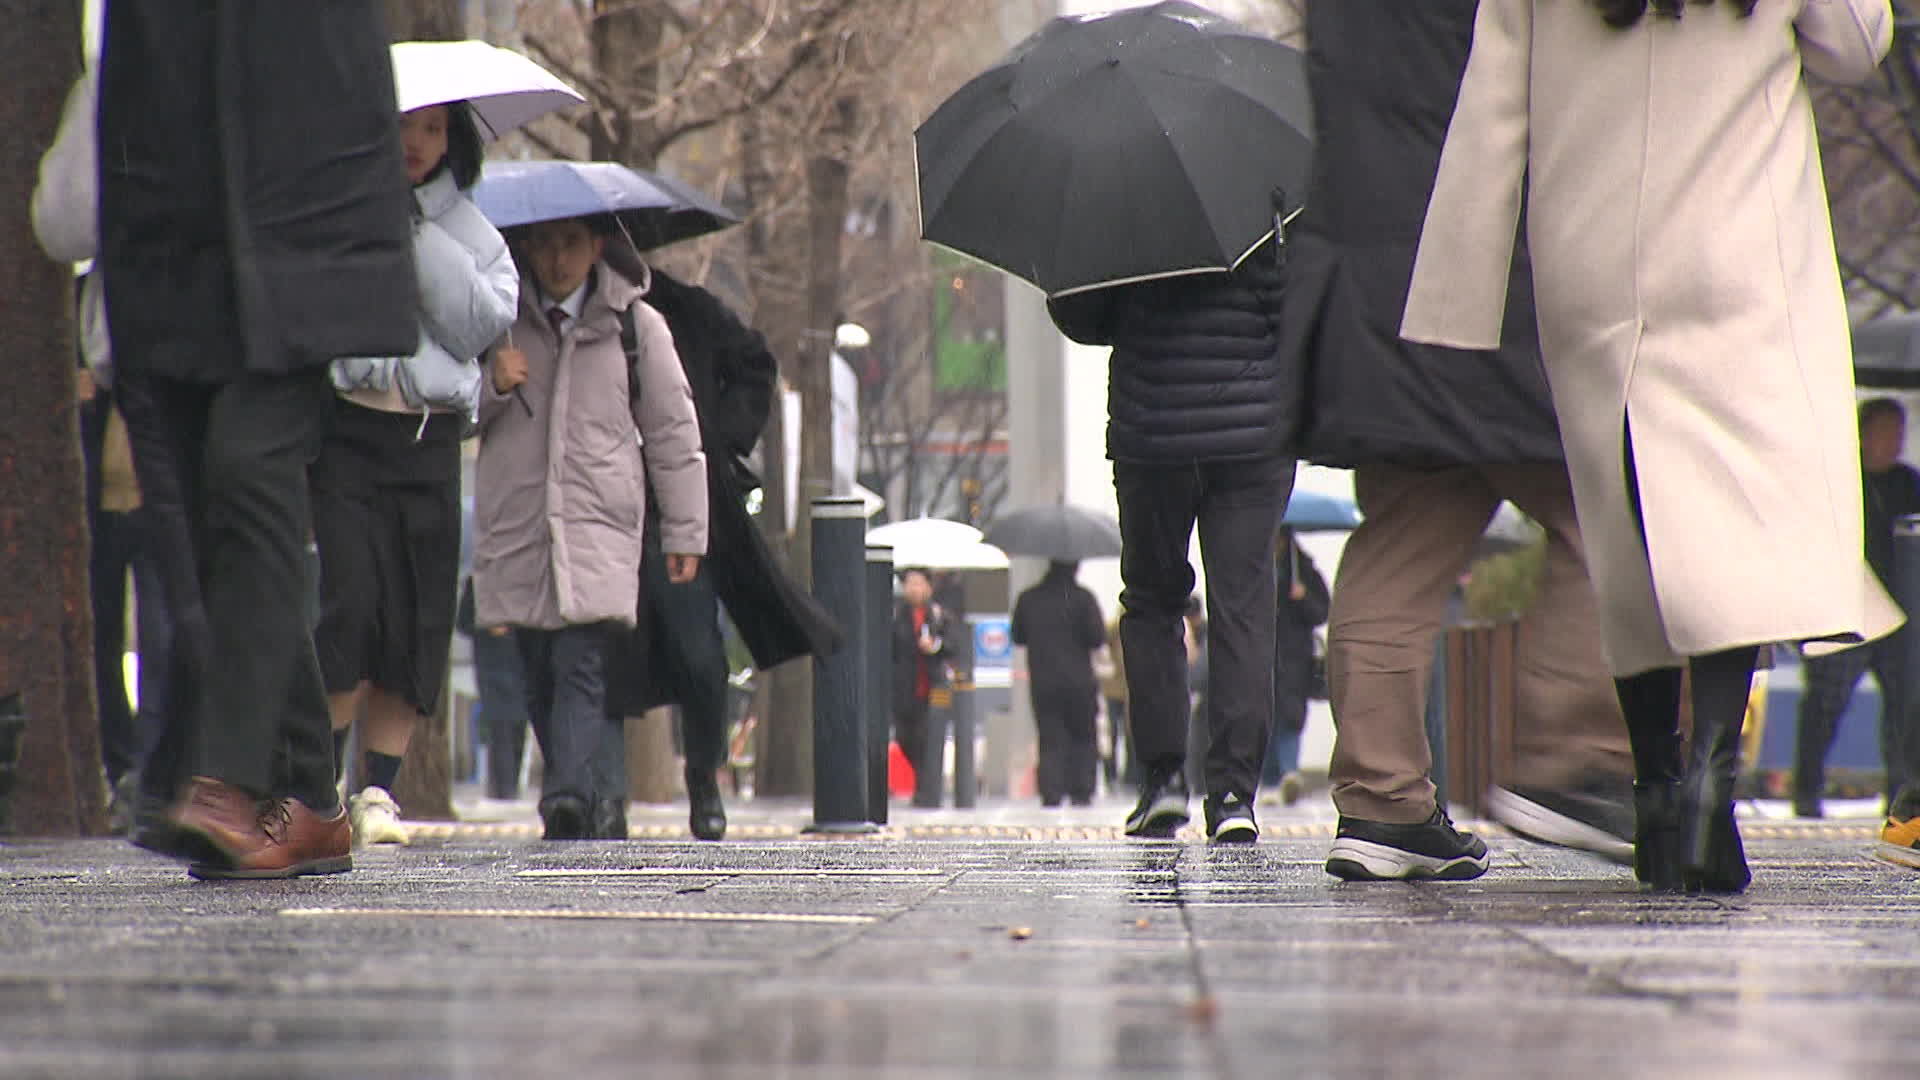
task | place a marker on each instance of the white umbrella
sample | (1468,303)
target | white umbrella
(949,555)
(924,531)
(505,89)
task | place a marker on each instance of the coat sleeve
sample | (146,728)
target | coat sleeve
(468,295)
(1844,40)
(1086,317)
(492,401)
(747,372)
(1093,629)
(66,217)
(1458,295)
(670,437)
(1018,627)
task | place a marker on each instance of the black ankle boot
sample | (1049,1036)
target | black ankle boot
(1657,853)
(1716,859)
(706,814)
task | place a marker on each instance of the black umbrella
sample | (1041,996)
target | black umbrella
(1063,533)
(1147,143)
(1886,352)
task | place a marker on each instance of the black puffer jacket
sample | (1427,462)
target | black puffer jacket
(1199,371)
(1384,76)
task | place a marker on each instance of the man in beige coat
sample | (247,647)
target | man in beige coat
(577,426)
(1695,336)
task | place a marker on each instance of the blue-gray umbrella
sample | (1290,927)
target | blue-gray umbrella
(1062,533)
(1314,511)
(653,209)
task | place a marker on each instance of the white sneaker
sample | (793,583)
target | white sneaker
(375,818)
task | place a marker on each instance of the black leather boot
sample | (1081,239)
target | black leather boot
(1657,854)
(706,814)
(1716,861)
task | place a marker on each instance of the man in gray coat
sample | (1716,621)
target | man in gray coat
(584,418)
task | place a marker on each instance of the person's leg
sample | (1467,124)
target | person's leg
(1050,720)
(577,728)
(262,434)
(1827,687)
(1886,657)
(1239,520)
(1081,718)
(155,631)
(1714,858)
(910,731)
(1650,702)
(1158,511)
(503,708)
(109,560)
(1389,594)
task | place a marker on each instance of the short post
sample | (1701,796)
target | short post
(879,710)
(1906,592)
(930,779)
(965,784)
(840,680)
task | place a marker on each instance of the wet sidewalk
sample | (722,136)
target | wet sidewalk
(1042,945)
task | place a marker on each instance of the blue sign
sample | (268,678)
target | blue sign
(992,640)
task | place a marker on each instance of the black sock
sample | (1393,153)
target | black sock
(1651,703)
(340,754)
(381,769)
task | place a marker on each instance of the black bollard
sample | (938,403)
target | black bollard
(840,679)
(1906,592)
(966,785)
(879,710)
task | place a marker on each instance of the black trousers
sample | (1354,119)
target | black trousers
(1069,743)
(910,723)
(567,693)
(1830,681)
(223,473)
(127,736)
(690,654)
(1237,506)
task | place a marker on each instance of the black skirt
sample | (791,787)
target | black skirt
(386,518)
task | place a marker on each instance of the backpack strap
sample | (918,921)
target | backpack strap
(630,345)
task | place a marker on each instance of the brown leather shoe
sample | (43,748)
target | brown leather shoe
(293,841)
(216,822)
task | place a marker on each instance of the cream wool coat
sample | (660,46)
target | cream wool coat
(1686,284)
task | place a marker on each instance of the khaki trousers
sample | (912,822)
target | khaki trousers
(1388,601)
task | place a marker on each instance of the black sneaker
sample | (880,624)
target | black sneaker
(1377,851)
(1163,804)
(1230,819)
(566,817)
(1596,815)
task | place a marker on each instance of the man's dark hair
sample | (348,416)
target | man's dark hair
(465,151)
(1621,14)
(917,570)
(1881,408)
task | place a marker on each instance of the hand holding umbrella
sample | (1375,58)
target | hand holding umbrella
(510,372)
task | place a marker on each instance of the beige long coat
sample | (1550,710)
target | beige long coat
(562,482)
(1684,270)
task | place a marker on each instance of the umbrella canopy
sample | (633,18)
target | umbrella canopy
(505,89)
(1144,143)
(1315,511)
(937,544)
(654,210)
(1508,532)
(1061,533)
(1886,352)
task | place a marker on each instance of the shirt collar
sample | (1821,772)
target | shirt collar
(574,304)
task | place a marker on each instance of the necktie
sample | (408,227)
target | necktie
(557,318)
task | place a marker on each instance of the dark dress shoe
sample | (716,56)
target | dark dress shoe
(566,817)
(1658,855)
(610,820)
(153,829)
(706,814)
(293,841)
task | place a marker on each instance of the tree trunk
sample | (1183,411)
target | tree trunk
(626,42)
(46,633)
(777,249)
(425,20)
(653,772)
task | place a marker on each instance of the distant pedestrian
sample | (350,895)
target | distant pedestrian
(1302,603)
(1202,406)
(254,226)
(585,419)
(1117,761)
(1058,621)
(1693,326)
(386,489)
(924,635)
(1891,491)
(501,679)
